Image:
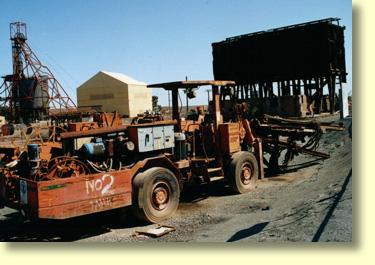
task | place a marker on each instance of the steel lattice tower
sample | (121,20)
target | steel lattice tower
(31,92)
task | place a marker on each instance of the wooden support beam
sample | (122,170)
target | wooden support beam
(260,86)
(305,87)
(331,89)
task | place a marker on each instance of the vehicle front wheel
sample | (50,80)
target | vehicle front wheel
(156,195)
(242,172)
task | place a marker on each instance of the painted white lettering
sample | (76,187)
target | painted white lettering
(103,184)
(109,185)
(89,186)
(102,203)
(98,184)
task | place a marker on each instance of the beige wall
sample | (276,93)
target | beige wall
(140,99)
(114,95)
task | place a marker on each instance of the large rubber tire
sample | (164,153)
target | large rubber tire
(156,195)
(242,172)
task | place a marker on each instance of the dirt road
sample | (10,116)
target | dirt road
(311,201)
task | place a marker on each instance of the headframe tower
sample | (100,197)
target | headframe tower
(31,91)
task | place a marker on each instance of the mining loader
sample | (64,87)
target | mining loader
(145,165)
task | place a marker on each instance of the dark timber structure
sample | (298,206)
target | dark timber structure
(295,60)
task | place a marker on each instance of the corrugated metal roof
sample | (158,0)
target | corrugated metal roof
(123,78)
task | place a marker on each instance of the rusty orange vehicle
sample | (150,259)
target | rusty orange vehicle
(145,165)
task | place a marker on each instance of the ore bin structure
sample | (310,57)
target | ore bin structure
(284,71)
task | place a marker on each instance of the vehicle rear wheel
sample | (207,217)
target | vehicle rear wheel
(242,172)
(156,195)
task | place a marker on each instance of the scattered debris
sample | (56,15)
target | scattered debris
(159,231)
(138,236)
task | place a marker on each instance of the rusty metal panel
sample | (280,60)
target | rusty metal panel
(65,198)
(229,137)
(113,129)
(79,208)
(82,126)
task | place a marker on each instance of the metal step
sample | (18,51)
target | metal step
(214,169)
(202,159)
(216,178)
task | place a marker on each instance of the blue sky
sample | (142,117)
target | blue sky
(151,41)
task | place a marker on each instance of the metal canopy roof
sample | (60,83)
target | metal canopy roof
(191,84)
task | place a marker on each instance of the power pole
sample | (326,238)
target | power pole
(187,100)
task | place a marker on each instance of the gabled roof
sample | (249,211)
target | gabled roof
(119,77)
(123,78)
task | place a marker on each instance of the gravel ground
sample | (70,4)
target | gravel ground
(311,201)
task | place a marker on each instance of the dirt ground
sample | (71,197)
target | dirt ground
(310,201)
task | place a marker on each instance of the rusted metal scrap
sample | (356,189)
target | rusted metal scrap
(292,136)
